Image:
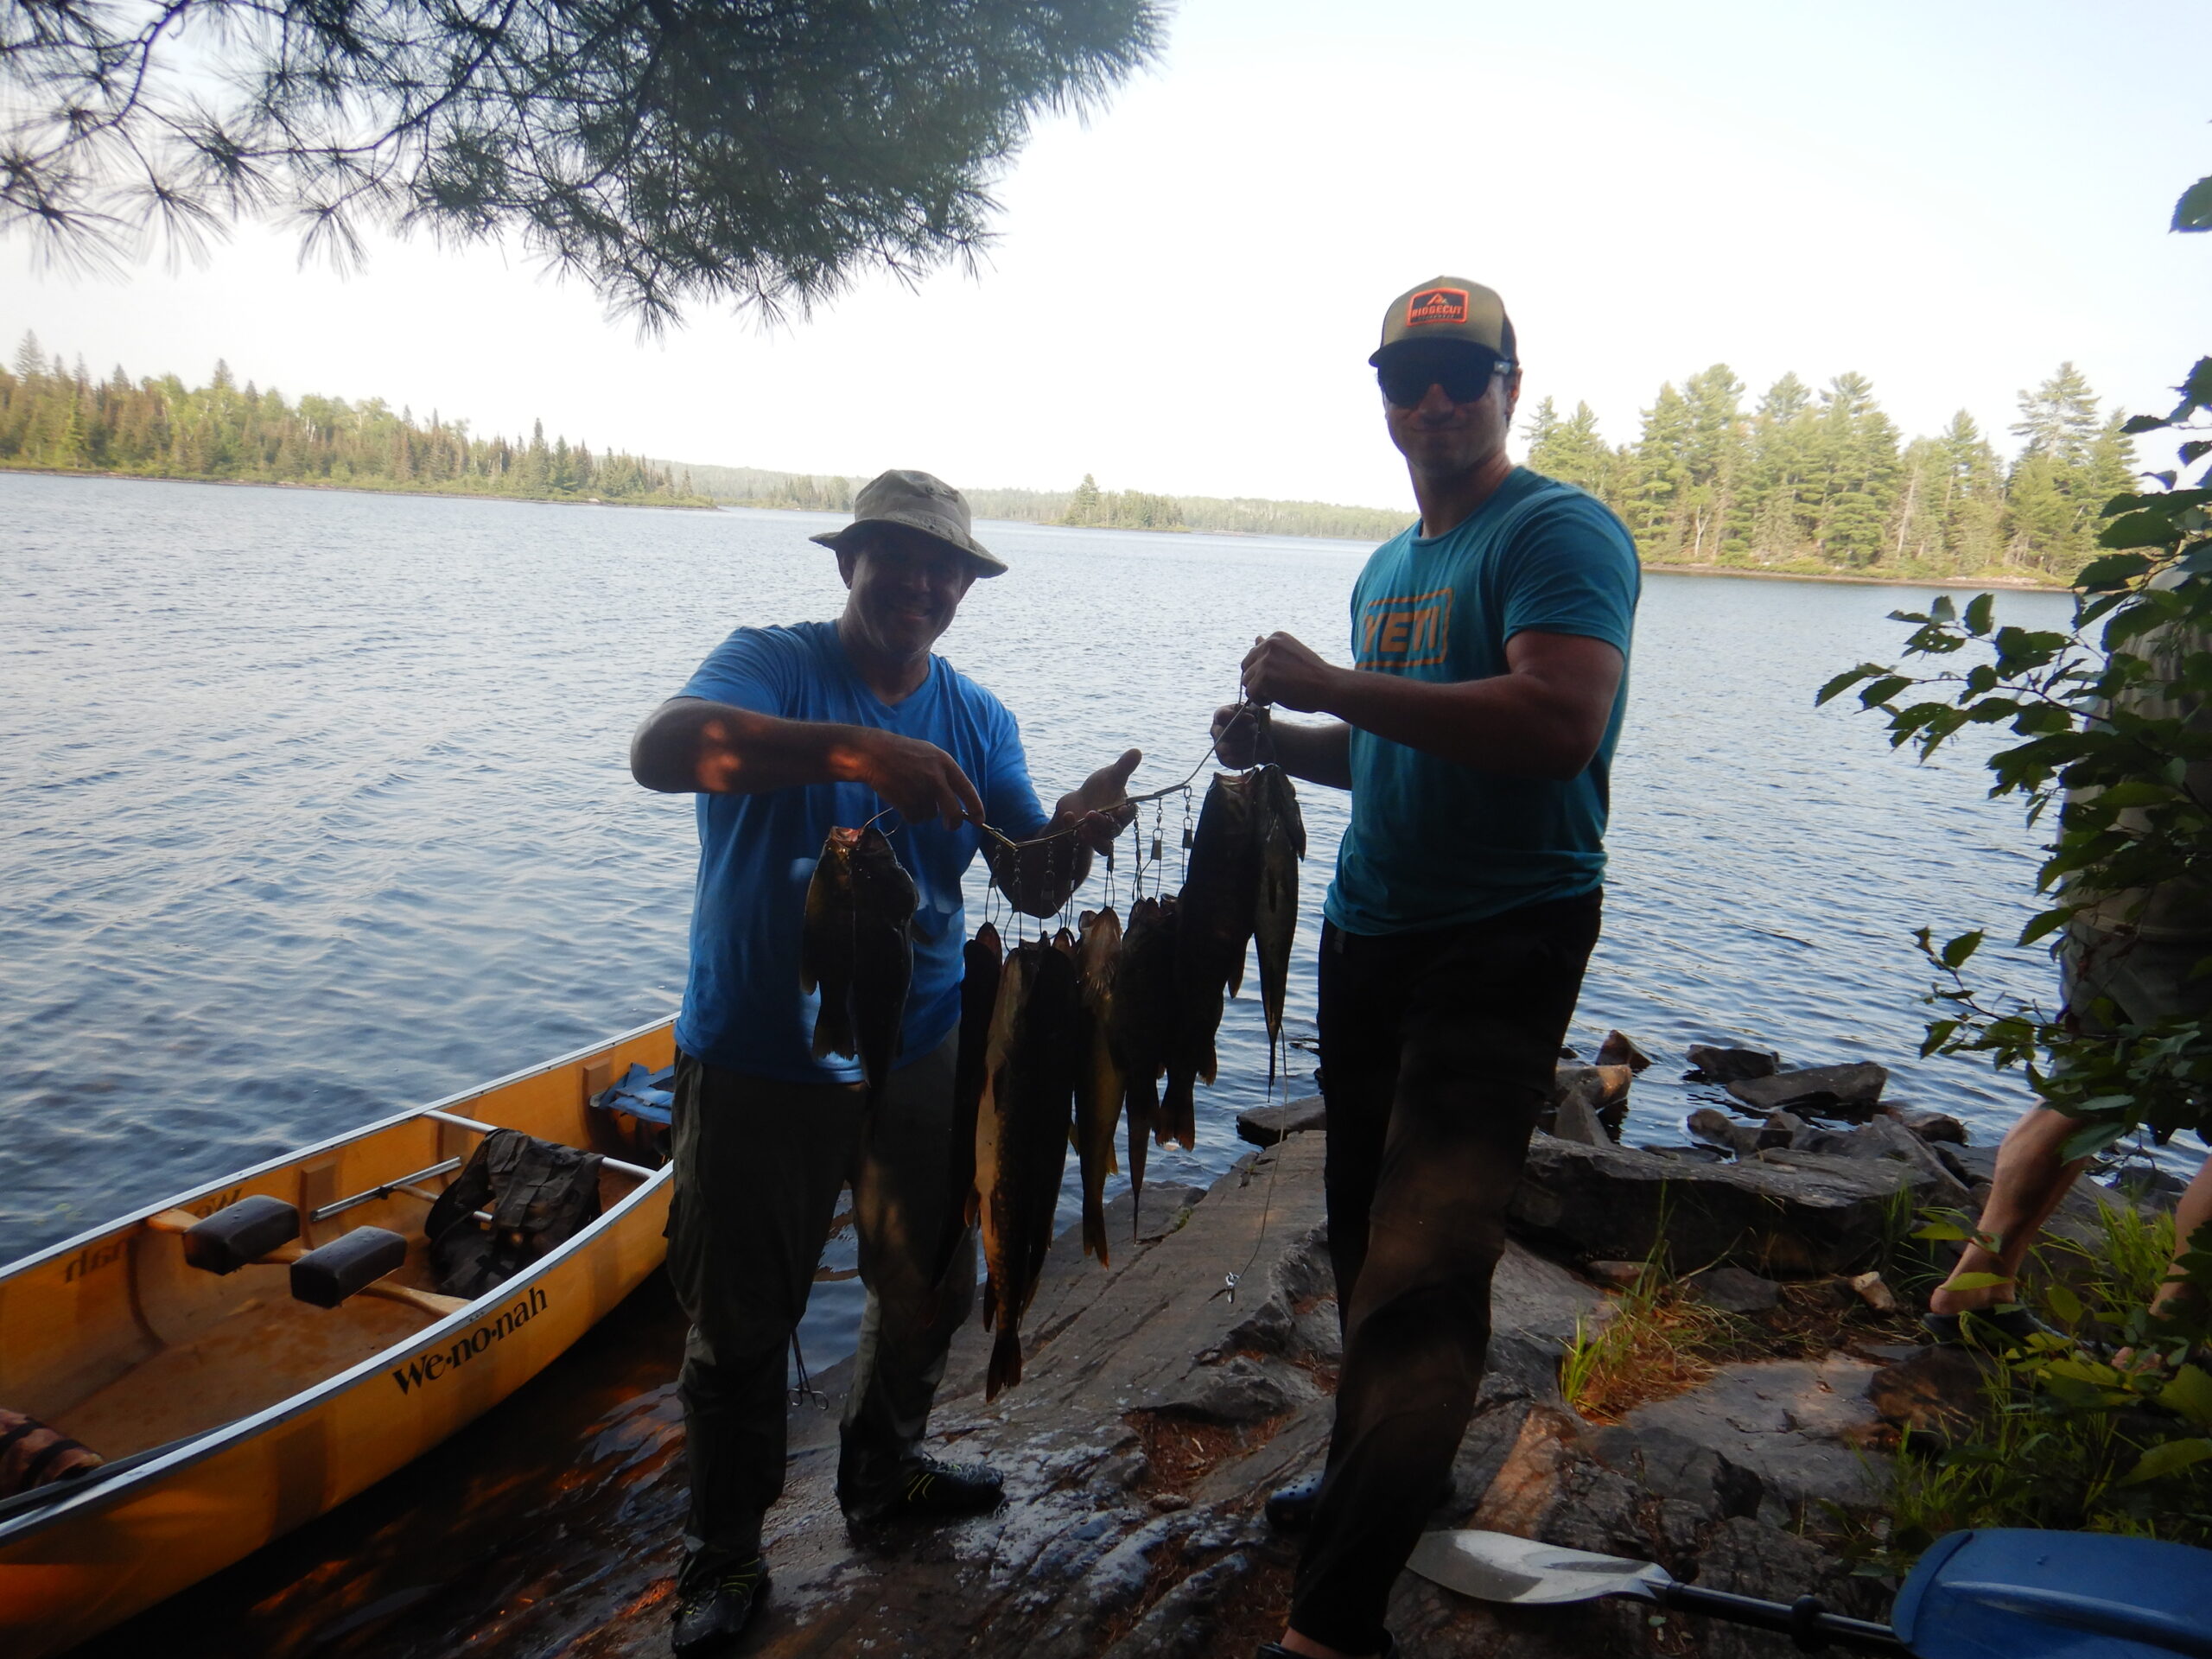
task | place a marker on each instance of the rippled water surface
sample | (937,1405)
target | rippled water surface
(314,805)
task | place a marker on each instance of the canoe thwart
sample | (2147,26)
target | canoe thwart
(326,1276)
(370,1195)
(635,1171)
(233,1236)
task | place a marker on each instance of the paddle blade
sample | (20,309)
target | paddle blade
(1498,1566)
(2024,1593)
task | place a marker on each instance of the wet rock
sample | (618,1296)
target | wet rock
(2146,1185)
(1584,1096)
(1677,1468)
(1710,1065)
(1280,1299)
(1716,1128)
(1265,1125)
(1620,1049)
(1848,1091)
(1239,1390)
(1935,1127)
(1780,1129)
(1811,1215)
(1183,1624)
(1936,1394)
(1804,1427)
(1573,1118)
(1974,1165)
(1551,1488)
(1732,1290)
(1885,1137)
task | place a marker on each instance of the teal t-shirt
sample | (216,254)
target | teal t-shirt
(742,1005)
(1433,843)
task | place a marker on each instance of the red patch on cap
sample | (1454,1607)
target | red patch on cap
(1436,305)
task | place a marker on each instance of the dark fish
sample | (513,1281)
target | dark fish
(858,948)
(981,959)
(1282,832)
(1098,1077)
(1143,1019)
(1021,1137)
(1221,898)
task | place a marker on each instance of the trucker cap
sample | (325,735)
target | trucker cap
(1447,308)
(918,501)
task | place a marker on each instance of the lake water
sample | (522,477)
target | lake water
(315,806)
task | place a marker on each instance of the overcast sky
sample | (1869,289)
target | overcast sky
(1950,199)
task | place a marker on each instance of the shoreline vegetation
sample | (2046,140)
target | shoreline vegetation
(1803,486)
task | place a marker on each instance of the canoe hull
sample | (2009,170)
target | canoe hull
(145,1534)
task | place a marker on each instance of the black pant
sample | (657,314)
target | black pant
(758,1167)
(1437,1050)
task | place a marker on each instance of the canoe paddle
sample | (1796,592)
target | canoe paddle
(2004,1593)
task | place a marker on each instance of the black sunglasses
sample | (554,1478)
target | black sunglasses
(1464,375)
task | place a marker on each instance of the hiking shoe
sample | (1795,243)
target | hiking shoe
(1290,1508)
(2006,1324)
(710,1615)
(927,1489)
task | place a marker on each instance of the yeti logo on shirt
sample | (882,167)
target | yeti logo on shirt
(1405,631)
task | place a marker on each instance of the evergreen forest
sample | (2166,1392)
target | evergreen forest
(1821,482)
(56,419)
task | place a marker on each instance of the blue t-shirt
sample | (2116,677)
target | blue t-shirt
(742,1005)
(1433,843)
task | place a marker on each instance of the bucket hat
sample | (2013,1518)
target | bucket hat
(916,501)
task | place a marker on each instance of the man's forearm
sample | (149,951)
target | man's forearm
(694,746)
(1508,723)
(1318,754)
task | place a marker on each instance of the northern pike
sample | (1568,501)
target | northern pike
(1021,1137)
(1282,832)
(1098,1078)
(1143,1019)
(858,950)
(1221,896)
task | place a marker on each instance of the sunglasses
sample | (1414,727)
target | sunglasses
(1464,375)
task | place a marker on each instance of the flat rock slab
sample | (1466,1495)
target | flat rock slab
(1802,1426)
(1265,1125)
(1779,1212)
(1827,1090)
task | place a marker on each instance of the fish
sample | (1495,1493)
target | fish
(858,950)
(1142,1020)
(1021,1137)
(1098,1087)
(1282,832)
(982,960)
(1219,905)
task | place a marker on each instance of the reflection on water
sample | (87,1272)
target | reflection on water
(314,805)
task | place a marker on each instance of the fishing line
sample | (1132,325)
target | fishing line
(805,1394)
(1230,1280)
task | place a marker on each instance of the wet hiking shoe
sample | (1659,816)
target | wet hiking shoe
(711,1614)
(927,1489)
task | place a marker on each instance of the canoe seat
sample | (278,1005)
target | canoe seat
(326,1276)
(241,1233)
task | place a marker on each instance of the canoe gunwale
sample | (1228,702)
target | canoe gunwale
(97,1494)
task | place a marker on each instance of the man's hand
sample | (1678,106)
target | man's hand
(1282,669)
(919,778)
(1100,808)
(1235,736)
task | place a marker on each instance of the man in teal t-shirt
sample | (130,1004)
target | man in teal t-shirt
(1476,734)
(784,734)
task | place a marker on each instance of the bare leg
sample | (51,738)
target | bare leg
(1312,1649)
(2190,1215)
(2031,1178)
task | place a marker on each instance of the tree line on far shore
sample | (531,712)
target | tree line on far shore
(1821,482)
(56,419)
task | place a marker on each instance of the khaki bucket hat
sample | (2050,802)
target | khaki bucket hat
(918,501)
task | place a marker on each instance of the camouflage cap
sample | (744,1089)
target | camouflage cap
(1447,308)
(918,501)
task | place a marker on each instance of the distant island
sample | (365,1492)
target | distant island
(56,419)
(1802,483)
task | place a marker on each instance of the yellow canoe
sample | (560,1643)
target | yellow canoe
(230,1412)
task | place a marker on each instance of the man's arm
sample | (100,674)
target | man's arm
(1543,717)
(694,745)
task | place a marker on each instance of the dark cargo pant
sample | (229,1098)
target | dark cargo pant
(1437,1052)
(758,1167)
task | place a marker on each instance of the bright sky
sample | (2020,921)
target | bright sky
(1950,199)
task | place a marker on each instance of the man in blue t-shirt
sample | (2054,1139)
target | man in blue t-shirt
(1476,735)
(784,734)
